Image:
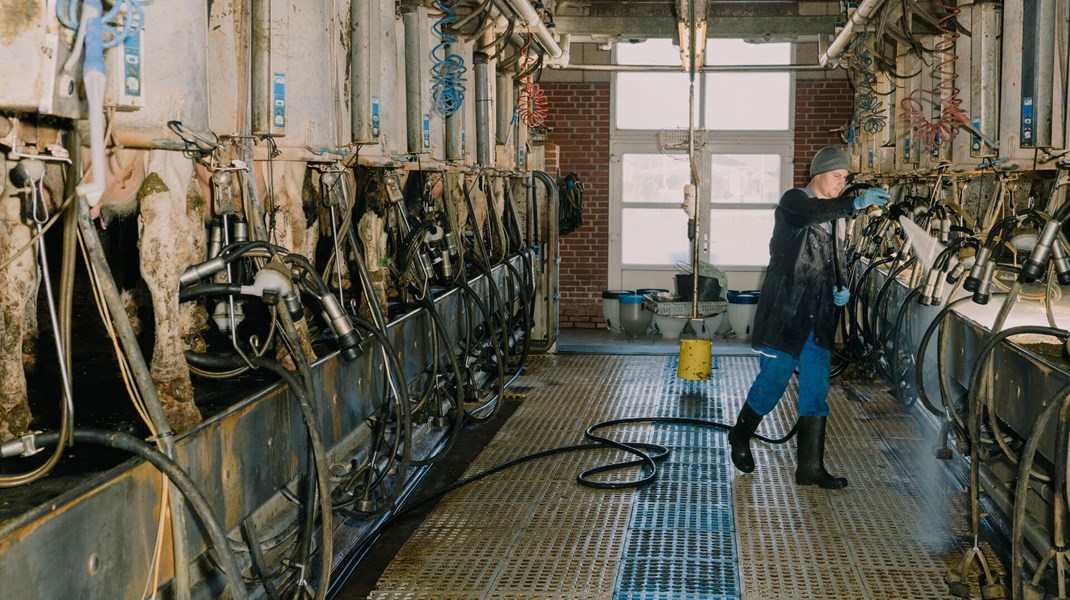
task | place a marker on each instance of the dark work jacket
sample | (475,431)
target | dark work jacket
(797,293)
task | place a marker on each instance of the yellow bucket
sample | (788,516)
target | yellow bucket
(694,360)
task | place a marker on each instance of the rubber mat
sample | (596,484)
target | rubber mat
(702,530)
(681,542)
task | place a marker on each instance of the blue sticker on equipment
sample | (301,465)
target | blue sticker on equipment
(278,112)
(132,62)
(375,116)
(975,145)
(906,147)
(1027,121)
(427,131)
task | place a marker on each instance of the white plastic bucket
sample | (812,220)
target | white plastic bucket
(611,308)
(669,328)
(741,309)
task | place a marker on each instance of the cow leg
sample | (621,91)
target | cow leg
(294,231)
(19,283)
(372,231)
(166,231)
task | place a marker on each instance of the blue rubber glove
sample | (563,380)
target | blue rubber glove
(874,196)
(840,296)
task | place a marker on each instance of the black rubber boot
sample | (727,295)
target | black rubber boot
(811,468)
(739,438)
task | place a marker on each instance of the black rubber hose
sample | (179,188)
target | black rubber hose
(492,341)
(402,450)
(496,297)
(854,333)
(457,419)
(193,292)
(863,297)
(896,334)
(527,293)
(919,379)
(196,499)
(227,362)
(982,356)
(319,450)
(412,241)
(880,334)
(644,459)
(1025,466)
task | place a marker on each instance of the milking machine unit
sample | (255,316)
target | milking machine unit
(956,285)
(345,268)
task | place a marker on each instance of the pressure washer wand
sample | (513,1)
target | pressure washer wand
(840,283)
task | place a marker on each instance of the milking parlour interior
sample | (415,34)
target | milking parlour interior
(534,299)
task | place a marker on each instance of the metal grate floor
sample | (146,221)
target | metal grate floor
(702,530)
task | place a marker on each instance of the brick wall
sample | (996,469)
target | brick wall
(822,108)
(578,123)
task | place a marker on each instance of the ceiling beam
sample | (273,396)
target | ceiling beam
(745,27)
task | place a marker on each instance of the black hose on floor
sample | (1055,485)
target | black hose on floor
(647,456)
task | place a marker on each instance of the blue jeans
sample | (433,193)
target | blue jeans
(775,371)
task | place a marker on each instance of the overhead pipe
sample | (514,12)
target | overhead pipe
(532,21)
(864,10)
(701,69)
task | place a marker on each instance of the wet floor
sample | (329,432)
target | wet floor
(701,530)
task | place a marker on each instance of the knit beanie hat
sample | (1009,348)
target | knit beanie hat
(827,159)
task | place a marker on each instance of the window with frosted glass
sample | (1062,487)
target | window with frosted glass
(740,237)
(728,101)
(747,101)
(654,236)
(653,178)
(745,178)
(650,100)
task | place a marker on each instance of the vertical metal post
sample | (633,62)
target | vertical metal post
(697,242)
(986,24)
(484,135)
(410,17)
(360,80)
(504,108)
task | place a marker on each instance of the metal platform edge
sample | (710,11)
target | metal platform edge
(96,540)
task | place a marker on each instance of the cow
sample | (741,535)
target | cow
(173,196)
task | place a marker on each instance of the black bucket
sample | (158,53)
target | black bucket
(709,289)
